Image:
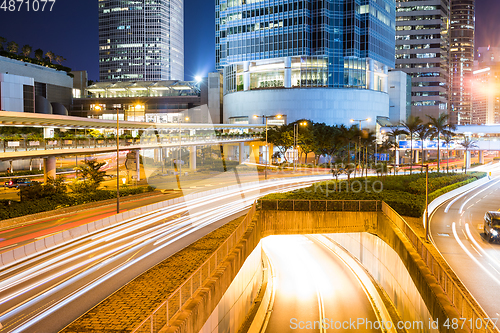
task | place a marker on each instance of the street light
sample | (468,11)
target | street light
(295,145)
(278,116)
(99,108)
(359,144)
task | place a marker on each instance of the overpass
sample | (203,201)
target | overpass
(155,136)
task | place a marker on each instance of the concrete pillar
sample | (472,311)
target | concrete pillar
(416,156)
(385,88)
(49,168)
(138,164)
(246,75)
(397,157)
(467,160)
(241,152)
(156,155)
(192,158)
(254,153)
(270,153)
(481,156)
(288,72)
(371,74)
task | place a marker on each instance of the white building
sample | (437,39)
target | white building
(141,40)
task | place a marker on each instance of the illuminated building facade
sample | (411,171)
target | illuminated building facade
(422,46)
(141,40)
(486,87)
(462,30)
(277,55)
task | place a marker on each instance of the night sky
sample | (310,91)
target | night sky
(71,30)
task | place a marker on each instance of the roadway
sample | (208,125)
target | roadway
(313,285)
(457,232)
(49,291)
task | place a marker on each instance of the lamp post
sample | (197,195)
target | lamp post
(359,140)
(99,108)
(295,145)
(180,144)
(278,116)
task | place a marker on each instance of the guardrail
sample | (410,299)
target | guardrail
(467,306)
(320,205)
(55,144)
(171,306)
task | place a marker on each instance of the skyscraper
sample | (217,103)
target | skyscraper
(141,40)
(422,45)
(284,46)
(462,30)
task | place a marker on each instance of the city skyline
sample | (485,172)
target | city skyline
(75,37)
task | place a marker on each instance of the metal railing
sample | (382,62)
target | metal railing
(320,205)
(466,305)
(169,308)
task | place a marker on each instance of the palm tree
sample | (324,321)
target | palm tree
(50,55)
(392,142)
(26,50)
(440,126)
(60,59)
(423,132)
(12,47)
(39,54)
(411,127)
(468,143)
(448,138)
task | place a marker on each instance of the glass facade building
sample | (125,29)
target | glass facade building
(304,43)
(422,48)
(462,29)
(141,40)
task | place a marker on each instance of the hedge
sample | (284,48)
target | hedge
(404,193)
(12,209)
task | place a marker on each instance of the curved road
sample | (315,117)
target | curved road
(457,232)
(47,292)
(314,285)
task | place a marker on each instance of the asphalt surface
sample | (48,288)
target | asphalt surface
(457,231)
(314,285)
(49,291)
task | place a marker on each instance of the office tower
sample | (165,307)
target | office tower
(270,51)
(141,40)
(486,87)
(462,27)
(422,46)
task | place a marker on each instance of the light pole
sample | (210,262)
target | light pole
(295,145)
(278,116)
(359,140)
(180,144)
(99,108)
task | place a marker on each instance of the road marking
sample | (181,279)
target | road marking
(444,235)
(476,250)
(466,201)
(471,256)
(465,234)
(479,246)
(494,269)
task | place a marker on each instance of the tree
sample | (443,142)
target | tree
(50,55)
(392,142)
(281,137)
(423,132)
(60,59)
(439,127)
(448,138)
(39,54)
(26,50)
(92,174)
(468,143)
(2,41)
(411,126)
(12,47)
